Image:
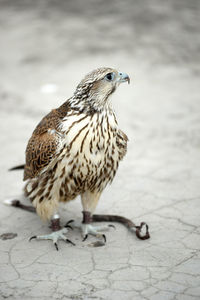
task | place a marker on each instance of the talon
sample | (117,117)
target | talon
(138,231)
(85,237)
(104,237)
(68,226)
(113,226)
(33,237)
(70,221)
(56,245)
(68,241)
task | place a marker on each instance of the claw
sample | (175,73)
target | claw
(138,231)
(104,237)
(33,237)
(68,226)
(68,241)
(70,221)
(56,245)
(113,226)
(85,237)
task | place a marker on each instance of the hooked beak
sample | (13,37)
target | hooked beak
(123,77)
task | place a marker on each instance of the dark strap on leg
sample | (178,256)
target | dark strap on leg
(126,222)
(87,217)
(55,224)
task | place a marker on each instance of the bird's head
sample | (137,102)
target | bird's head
(93,91)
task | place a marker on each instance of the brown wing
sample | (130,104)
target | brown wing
(44,143)
(40,151)
(121,142)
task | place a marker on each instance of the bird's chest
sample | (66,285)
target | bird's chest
(90,150)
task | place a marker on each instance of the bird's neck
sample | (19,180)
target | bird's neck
(91,105)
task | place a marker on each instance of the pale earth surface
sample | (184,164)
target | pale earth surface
(157,43)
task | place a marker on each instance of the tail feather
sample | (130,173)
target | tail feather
(19,167)
(19,204)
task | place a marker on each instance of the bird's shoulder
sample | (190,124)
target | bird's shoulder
(53,119)
(121,141)
(44,143)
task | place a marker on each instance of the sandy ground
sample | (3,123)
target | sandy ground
(46,49)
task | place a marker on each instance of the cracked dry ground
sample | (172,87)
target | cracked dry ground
(159,179)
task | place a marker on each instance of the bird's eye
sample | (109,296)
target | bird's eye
(110,76)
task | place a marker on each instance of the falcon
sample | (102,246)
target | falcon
(75,150)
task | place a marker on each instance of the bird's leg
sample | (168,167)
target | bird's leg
(88,228)
(89,203)
(55,223)
(58,233)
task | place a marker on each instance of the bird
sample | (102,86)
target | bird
(75,150)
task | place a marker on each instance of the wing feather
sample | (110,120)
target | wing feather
(40,152)
(121,141)
(44,144)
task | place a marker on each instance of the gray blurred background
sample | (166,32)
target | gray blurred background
(46,49)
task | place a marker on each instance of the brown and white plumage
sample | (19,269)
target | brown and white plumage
(76,148)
